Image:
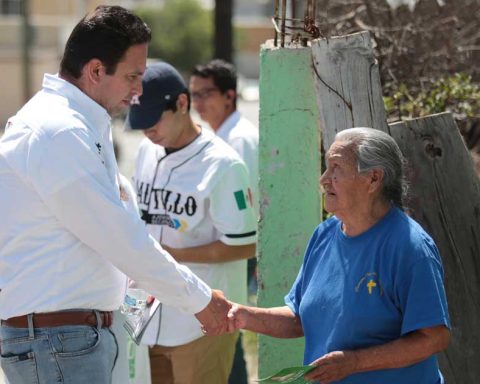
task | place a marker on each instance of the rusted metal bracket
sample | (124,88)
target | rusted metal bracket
(299,30)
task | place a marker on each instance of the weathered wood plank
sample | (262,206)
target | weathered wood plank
(445,200)
(348,85)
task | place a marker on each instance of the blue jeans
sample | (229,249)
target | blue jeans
(78,354)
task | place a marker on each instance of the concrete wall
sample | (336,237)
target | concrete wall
(289,185)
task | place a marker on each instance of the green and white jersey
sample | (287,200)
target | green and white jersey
(195,196)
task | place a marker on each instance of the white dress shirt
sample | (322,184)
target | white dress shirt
(66,239)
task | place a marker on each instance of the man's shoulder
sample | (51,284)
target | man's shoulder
(219,150)
(36,115)
(242,135)
(146,145)
(146,155)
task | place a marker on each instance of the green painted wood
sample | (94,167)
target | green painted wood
(289,167)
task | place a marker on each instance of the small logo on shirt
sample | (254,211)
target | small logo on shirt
(371,283)
(180,225)
(99,147)
(163,219)
(242,197)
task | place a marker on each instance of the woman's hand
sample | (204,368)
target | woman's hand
(237,317)
(333,366)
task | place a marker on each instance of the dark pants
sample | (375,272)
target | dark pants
(239,369)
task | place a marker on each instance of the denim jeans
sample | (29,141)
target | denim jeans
(78,354)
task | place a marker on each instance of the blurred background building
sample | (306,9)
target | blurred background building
(33,34)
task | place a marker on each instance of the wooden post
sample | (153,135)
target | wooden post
(446,201)
(348,85)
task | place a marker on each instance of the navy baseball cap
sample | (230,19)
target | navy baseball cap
(161,84)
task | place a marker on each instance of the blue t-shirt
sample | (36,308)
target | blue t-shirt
(356,292)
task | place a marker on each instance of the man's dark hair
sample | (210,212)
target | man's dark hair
(105,34)
(223,74)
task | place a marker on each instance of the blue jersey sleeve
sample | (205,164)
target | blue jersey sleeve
(422,294)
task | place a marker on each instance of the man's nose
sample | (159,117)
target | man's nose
(138,88)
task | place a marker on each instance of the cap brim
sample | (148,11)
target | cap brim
(141,117)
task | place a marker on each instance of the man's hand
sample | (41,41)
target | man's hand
(333,366)
(214,316)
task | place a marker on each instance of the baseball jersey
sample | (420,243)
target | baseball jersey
(191,197)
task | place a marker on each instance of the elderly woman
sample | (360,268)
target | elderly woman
(369,297)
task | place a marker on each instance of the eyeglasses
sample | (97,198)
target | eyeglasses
(203,94)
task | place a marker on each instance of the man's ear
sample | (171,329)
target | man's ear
(182,103)
(94,70)
(230,94)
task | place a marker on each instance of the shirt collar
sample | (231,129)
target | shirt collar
(82,103)
(229,123)
(190,149)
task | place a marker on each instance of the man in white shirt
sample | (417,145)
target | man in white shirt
(213,89)
(194,195)
(67,240)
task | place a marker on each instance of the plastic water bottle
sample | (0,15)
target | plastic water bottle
(134,303)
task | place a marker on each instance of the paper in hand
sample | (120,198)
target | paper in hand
(292,375)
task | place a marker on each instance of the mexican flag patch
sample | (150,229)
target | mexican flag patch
(242,198)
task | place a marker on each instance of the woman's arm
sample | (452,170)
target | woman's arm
(276,322)
(407,350)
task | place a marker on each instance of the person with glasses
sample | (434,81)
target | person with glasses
(194,196)
(213,88)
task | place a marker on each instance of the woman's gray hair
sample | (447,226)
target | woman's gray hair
(376,149)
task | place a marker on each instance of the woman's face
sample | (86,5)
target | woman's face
(344,188)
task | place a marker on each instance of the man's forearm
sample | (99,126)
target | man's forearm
(215,252)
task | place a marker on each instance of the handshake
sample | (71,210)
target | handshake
(220,316)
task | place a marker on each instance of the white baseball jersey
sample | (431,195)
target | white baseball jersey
(191,197)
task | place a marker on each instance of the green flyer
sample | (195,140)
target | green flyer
(293,375)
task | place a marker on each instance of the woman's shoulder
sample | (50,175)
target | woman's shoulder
(327,226)
(409,236)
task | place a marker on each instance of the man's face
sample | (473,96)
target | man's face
(212,105)
(345,189)
(168,131)
(115,91)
